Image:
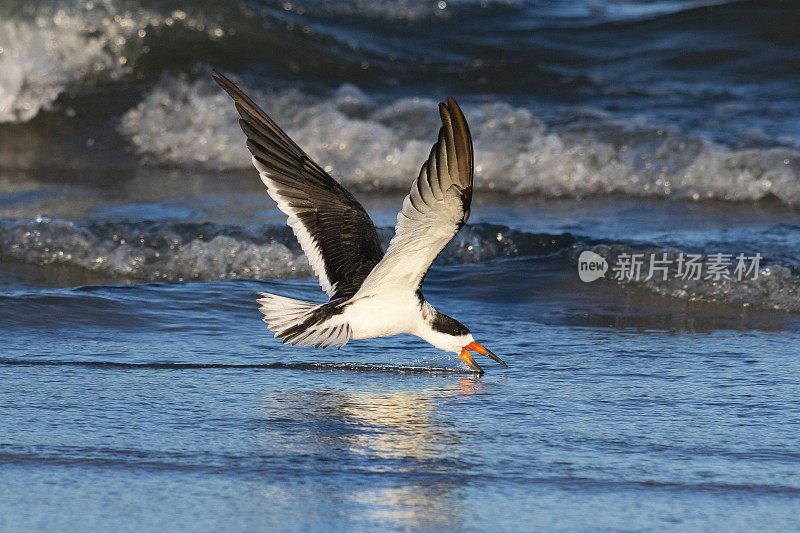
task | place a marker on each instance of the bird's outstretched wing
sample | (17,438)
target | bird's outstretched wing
(434,211)
(336,234)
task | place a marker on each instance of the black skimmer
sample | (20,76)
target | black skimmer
(372,294)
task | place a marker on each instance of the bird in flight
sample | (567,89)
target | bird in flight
(372,294)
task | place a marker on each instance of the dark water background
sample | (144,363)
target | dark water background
(139,389)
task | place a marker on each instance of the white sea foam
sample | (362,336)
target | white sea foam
(175,251)
(370,144)
(46,49)
(36,70)
(194,122)
(152,251)
(56,47)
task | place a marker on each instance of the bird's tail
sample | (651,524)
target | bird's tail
(303,323)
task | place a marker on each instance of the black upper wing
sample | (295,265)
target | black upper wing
(334,230)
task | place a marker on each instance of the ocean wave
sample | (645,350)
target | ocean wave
(156,251)
(47,48)
(368,143)
(772,286)
(50,47)
(178,251)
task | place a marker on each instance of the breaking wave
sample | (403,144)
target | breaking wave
(378,140)
(179,251)
(172,251)
(368,143)
(45,49)
(48,47)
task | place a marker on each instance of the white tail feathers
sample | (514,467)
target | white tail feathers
(303,323)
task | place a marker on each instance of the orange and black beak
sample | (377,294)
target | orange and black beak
(475,347)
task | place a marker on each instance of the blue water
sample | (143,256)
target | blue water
(167,406)
(140,391)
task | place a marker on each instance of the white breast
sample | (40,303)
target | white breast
(383,315)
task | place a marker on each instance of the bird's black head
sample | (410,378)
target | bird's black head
(449,334)
(449,326)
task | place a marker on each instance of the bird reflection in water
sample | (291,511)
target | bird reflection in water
(366,427)
(369,419)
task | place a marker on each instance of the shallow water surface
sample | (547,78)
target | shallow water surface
(168,405)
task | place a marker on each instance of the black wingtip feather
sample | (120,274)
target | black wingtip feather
(463,138)
(336,222)
(225,83)
(454,124)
